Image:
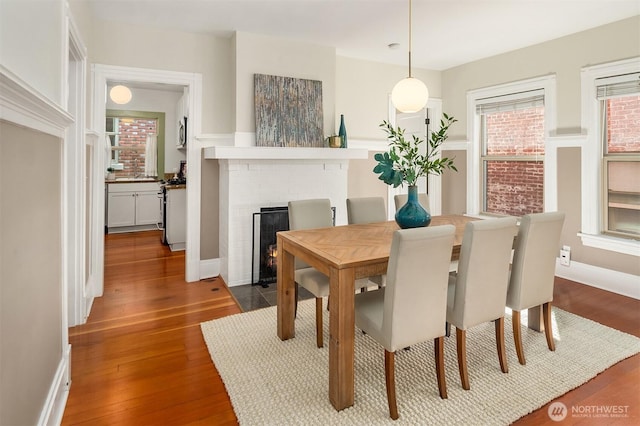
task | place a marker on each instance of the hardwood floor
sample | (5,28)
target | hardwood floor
(141,358)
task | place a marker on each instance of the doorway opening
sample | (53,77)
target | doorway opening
(102,75)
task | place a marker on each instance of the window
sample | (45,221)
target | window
(512,138)
(128,136)
(511,156)
(611,155)
(129,132)
(619,103)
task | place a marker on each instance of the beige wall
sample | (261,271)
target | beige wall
(168,50)
(362,182)
(563,57)
(362,94)
(30,271)
(454,184)
(210,210)
(258,54)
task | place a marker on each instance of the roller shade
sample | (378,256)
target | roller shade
(513,102)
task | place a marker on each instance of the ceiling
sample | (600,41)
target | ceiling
(446,33)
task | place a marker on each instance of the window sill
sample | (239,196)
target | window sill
(618,245)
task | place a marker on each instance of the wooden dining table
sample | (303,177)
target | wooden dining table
(344,254)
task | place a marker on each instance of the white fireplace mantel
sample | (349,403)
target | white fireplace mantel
(273,153)
(254,177)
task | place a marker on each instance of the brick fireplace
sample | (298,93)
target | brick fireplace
(255,177)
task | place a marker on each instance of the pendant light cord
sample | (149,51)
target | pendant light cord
(409,38)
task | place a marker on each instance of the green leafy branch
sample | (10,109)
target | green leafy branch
(404,163)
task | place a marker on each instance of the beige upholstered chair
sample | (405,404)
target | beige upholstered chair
(411,308)
(533,271)
(401,199)
(367,210)
(308,214)
(477,293)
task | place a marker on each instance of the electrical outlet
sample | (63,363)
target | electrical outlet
(565,256)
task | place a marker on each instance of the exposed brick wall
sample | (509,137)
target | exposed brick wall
(518,132)
(515,187)
(623,124)
(133,134)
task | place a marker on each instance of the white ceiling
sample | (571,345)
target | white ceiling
(446,33)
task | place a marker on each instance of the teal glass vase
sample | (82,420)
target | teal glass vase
(342,132)
(412,214)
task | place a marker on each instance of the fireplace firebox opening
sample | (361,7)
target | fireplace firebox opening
(267,222)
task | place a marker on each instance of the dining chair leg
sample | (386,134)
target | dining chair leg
(319,337)
(548,331)
(438,345)
(390,381)
(502,353)
(295,310)
(461,346)
(517,336)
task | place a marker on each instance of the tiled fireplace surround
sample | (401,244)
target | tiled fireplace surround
(255,177)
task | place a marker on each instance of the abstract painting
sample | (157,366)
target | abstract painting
(288,111)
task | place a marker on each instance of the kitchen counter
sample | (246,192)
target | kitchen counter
(131,180)
(175,186)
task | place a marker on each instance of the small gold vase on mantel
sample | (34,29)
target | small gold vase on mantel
(334,141)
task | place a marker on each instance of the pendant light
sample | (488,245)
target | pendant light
(120,94)
(409,94)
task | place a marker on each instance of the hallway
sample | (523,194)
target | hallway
(141,359)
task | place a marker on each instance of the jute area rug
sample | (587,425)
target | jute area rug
(286,382)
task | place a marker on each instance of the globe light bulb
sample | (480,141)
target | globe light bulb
(120,94)
(409,95)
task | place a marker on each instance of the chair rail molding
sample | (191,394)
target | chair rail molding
(21,104)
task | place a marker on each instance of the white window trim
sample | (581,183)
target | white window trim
(591,160)
(546,83)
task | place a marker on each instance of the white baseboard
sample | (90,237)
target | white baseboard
(53,408)
(209,268)
(605,279)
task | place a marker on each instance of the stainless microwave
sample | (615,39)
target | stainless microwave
(182,132)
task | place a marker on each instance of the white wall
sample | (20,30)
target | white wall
(32,39)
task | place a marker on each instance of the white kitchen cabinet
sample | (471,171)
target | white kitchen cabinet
(122,209)
(148,208)
(132,206)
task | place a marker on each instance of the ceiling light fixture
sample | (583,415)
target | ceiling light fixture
(409,94)
(120,94)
